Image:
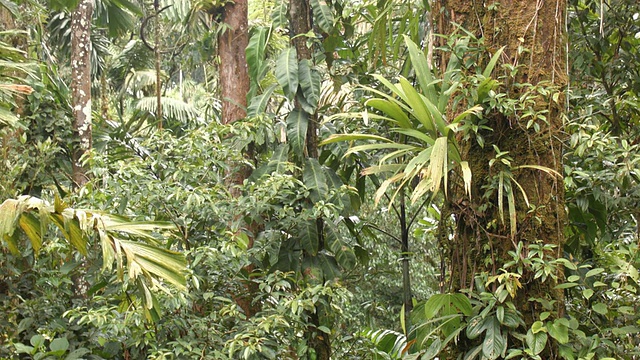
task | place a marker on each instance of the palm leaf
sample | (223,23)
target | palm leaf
(154,263)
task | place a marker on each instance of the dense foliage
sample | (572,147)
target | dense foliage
(355,169)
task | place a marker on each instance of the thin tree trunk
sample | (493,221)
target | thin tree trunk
(156,53)
(406,275)
(81,86)
(538,26)
(301,23)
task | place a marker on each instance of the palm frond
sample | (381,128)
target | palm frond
(131,244)
(172,109)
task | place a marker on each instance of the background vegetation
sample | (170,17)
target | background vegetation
(395,179)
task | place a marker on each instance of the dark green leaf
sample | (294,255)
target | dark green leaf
(314,179)
(309,79)
(297,123)
(322,15)
(287,71)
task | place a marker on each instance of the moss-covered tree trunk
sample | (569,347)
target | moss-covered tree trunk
(533,34)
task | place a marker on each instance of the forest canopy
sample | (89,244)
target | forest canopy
(320,179)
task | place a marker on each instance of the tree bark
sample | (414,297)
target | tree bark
(81,86)
(538,26)
(234,84)
(234,75)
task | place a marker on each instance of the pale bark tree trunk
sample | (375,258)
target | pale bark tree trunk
(539,26)
(81,86)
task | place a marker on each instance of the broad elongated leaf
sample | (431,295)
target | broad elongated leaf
(447,304)
(494,343)
(314,179)
(307,233)
(322,15)
(345,255)
(275,164)
(492,63)
(7,118)
(536,342)
(423,73)
(392,109)
(258,104)
(390,342)
(350,137)
(297,123)
(255,53)
(418,107)
(287,71)
(279,16)
(309,79)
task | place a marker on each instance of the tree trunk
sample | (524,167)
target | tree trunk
(482,241)
(234,75)
(234,84)
(301,23)
(81,86)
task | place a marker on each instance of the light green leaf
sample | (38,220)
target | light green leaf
(255,52)
(558,331)
(351,137)
(600,308)
(494,343)
(280,14)
(59,346)
(392,109)
(258,104)
(421,67)
(345,255)
(492,63)
(536,342)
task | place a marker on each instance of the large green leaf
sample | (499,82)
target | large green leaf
(7,118)
(314,179)
(255,53)
(392,109)
(258,104)
(447,304)
(309,79)
(322,15)
(297,123)
(494,344)
(536,342)
(307,233)
(275,164)
(345,255)
(287,71)
(279,17)
(390,342)
(421,67)
(350,137)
